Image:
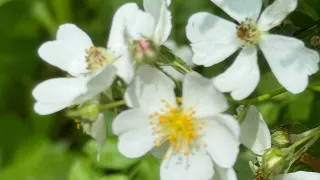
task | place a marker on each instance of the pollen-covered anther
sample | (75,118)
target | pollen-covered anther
(97,57)
(248,32)
(179,127)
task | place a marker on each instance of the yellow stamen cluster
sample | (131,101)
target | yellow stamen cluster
(97,57)
(177,126)
(248,32)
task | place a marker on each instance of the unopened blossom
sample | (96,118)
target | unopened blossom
(91,69)
(183,52)
(214,39)
(191,132)
(255,135)
(136,34)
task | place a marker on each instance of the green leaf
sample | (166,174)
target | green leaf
(270,112)
(149,168)
(115,177)
(39,159)
(110,156)
(82,170)
(300,108)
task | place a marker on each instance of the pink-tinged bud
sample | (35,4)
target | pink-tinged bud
(143,49)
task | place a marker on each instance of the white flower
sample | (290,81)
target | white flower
(255,135)
(56,94)
(91,67)
(215,39)
(137,32)
(196,133)
(183,52)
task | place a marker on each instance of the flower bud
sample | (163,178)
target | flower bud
(273,161)
(143,51)
(315,41)
(280,139)
(88,112)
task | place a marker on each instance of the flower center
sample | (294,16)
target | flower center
(97,57)
(179,127)
(248,32)
(142,50)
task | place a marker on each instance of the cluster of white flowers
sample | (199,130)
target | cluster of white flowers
(190,133)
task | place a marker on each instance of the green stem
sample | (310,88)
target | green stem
(179,66)
(262,97)
(104,107)
(313,87)
(303,140)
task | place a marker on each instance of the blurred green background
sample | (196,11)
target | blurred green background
(34,147)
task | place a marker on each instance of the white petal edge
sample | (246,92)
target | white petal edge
(129,120)
(195,166)
(224,174)
(140,25)
(137,142)
(240,9)
(66,55)
(222,145)
(159,10)
(145,75)
(213,39)
(242,77)
(200,95)
(299,175)
(274,14)
(290,61)
(46,109)
(227,121)
(59,91)
(71,32)
(255,134)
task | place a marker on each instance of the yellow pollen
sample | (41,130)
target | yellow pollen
(178,126)
(248,32)
(97,57)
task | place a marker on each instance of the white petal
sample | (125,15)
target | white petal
(98,131)
(242,77)
(129,120)
(195,166)
(255,133)
(59,91)
(224,174)
(159,10)
(213,39)
(149,88)
(140,25)
(125,69)
(290,61)
(226,120)
(240,9)
(299,175)
(99,82)
(46,109)
(222,145)
(173,72)
(274,14)
(72,33)
(200,95)
(66,55)
(117,37)
(137,142)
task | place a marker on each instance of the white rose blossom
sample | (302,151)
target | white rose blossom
(255,135)
(74,52)
(214,39)
(137,32)
(192,136)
